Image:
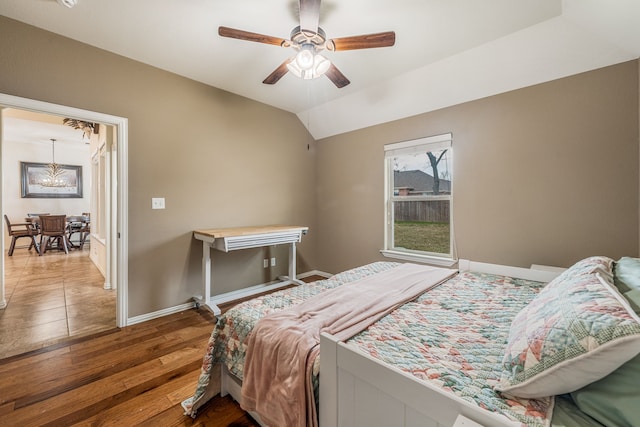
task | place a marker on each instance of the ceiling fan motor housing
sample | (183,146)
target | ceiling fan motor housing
(301,38)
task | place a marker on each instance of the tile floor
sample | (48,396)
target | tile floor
(52,298)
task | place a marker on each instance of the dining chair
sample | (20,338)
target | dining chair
(74,225)
(53,228)
(21,229)
(79,224)
(86,229)
(33,218)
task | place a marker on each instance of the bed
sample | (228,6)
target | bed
(455,355)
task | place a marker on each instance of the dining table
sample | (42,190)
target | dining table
(70,218)
(75,223)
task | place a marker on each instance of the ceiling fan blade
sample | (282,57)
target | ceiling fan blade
(337,77)
(309,15)
(252,37)
(366,41)
(277,73)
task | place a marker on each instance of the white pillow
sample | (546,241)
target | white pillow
(577,330)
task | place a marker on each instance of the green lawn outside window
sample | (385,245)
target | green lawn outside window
(422,236)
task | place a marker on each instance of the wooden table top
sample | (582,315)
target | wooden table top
(70,218)
(218,233)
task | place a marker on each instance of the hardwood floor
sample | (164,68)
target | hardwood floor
(52,298)
(136,375)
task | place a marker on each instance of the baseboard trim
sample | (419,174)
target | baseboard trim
(160,313)
(190,305)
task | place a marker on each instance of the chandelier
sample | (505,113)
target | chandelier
(54,173)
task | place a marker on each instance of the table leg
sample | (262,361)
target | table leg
(207,280)
(292,265)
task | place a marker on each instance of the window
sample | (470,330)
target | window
(418,197)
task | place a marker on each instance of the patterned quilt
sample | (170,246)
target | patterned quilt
(462,354)
(227,343)
(455,337)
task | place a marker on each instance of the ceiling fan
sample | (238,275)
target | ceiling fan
(308,39)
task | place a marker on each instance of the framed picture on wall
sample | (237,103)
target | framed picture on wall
(50,180)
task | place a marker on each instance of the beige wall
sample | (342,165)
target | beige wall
(546,174)
(218,159)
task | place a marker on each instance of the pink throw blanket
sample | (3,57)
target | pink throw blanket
(282,347)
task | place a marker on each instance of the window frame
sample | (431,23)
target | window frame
(431,143)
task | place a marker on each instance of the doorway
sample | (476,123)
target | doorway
(115,221)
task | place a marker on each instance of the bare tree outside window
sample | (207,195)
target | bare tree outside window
(434,166)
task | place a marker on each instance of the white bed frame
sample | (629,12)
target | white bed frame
(358,390)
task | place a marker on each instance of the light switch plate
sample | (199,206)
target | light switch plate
(157,203)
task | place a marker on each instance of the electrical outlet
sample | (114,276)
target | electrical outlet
(265,262)
(273,262)
(157,203)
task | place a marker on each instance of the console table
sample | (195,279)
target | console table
(232,239)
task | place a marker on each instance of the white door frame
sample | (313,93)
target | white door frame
(117,231)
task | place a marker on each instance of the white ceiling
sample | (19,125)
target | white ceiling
(446,52)
(26,127)
(33,133)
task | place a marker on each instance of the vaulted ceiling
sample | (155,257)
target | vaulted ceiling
(446,52)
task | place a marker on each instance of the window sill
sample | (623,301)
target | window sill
(414,257)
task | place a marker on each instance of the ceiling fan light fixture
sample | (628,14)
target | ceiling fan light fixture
(305,58)
(295,69)
(319,66)
(68,3)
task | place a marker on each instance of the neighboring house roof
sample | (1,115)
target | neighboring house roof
(418,181)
